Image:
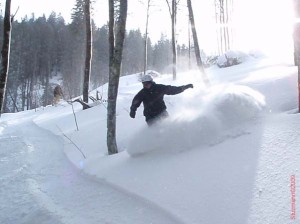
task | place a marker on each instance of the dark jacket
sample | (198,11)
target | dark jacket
(153,99)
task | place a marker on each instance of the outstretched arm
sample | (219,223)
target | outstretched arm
(173,90)
(188,86)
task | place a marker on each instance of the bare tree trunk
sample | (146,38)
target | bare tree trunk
(189,34)
(31,89)
(47,86)
(23,93)
(174,14)
(227,26)
(14,101)
(88,54)
(196,45)
(111,109)
(172,11)
(5,53)
(231,36)
(217,28)
(146,40)
(222,14)
(221,26)
(116,41)
(28,83)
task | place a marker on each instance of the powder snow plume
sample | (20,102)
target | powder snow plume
(199,120)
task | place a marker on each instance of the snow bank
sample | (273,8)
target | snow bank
(231,58)
(200,122)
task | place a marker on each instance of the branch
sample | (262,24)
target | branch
(100,99)
(169,7)
(13,16)
(71,142)
(93,98)
(84,104)
(14,102)
(74,115)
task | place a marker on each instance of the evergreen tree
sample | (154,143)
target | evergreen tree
(133,56)
(162,55)
(100,56)
(42,48)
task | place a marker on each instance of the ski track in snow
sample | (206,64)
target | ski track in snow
(46,188)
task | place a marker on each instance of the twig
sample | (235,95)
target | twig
(12,17)
(74,115)
(100,98)
(71,142)
(84,104)
(97,97)
(14,102)
(93,98)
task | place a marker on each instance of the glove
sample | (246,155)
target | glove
(188,86)
(132,114)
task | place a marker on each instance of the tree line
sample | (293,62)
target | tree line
(45,47)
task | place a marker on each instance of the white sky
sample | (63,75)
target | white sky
(262,24)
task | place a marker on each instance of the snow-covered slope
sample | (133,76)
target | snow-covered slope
(226,154)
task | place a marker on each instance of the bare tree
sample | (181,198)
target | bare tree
(173,14)
(223,10)
(5,53)
(88,56)
(189,42)
(226,21)
(116,41)
(217,30)
(196,44)
(146,39)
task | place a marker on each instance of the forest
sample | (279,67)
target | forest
(42,48)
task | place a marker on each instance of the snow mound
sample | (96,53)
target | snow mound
(231,58)
(200,122)
(235,104)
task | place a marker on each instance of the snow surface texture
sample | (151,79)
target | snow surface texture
(225,155)
(212,115)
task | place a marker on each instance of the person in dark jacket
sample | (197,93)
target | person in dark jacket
(152,96)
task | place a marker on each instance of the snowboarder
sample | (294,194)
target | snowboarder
(152,96)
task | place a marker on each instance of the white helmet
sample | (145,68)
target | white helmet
(147,78)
